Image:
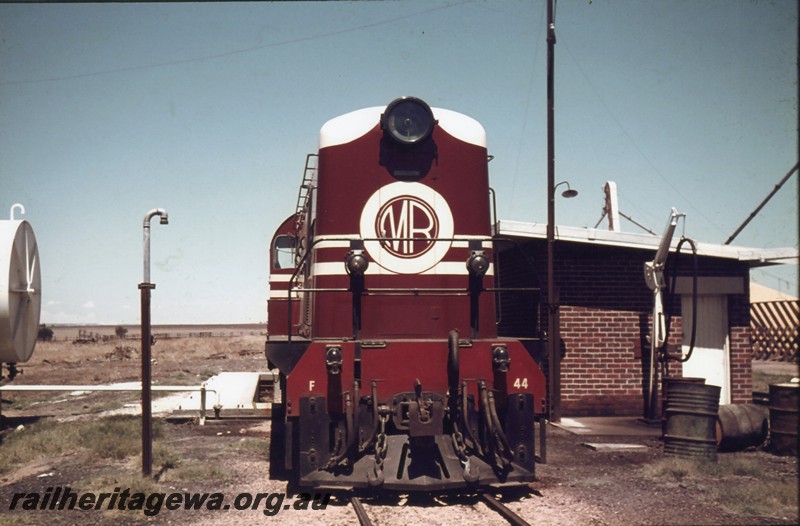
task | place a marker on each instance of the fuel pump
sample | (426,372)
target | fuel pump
(654,274)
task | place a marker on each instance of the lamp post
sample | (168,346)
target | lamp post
(145,287)
(553,357)
(553,315)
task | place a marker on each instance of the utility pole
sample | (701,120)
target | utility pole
(553,332)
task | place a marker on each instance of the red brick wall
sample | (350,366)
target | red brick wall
(605,310)
(741,361)
(601,373)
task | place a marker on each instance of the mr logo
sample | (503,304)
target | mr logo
(407,227)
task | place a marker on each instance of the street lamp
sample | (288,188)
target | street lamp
(553,315)
(146,287)
(569,192)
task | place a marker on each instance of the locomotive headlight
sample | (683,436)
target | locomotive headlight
(408,120)
(500,358)
(478,263)
(333,359)
(356,263)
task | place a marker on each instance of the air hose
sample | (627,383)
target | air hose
(665,355)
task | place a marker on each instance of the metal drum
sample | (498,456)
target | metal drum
(691,420)
(740,426)
(783,402)
(669,387)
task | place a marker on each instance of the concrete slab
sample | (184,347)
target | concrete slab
(608,426)
(235,390)
(231,390)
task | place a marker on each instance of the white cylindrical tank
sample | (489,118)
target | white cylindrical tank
(20,291)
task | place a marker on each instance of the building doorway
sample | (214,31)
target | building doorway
(711,356)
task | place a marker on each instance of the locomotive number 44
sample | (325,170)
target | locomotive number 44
(521,383)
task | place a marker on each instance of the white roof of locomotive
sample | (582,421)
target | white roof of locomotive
(351,126)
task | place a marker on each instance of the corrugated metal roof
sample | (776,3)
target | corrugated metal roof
(754,257)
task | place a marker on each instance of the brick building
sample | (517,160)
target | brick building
(605,308)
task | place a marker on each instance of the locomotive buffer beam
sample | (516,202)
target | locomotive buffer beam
(424,458)
(424,463)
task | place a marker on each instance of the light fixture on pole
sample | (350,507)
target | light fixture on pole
(569,192)
(146,287)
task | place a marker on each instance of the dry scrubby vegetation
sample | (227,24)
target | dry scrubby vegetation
(743,491)
(110,438)
(102,454)
(106,440)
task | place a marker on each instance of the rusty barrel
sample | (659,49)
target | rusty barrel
(691,420)
(671,385)
(740,426)
(783,402)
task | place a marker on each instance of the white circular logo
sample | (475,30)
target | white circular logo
(401,223)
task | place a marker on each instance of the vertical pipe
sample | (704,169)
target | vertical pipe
(146,259)
(147,408)
(147,341)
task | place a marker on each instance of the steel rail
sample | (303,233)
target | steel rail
(500,508)
(361,513)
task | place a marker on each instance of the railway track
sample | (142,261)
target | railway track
(503,510)
(489,500)
(361,513)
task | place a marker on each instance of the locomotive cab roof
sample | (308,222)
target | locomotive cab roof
(351,126)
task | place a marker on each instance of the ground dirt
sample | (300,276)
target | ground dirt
(577,486)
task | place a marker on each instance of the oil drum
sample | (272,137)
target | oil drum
(674,390)
(691,420)
(783,402)
(740,426)
(670,386)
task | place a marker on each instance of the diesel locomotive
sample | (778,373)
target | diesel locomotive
(381,316)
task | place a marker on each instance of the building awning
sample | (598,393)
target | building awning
(754,257)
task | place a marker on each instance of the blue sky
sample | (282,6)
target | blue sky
(208,110)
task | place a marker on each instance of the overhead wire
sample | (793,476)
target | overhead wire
(633,142)
(232,52)
(529,92)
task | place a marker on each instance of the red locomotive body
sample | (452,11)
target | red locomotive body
(397,378)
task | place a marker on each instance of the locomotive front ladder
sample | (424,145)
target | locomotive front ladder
(309,180)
